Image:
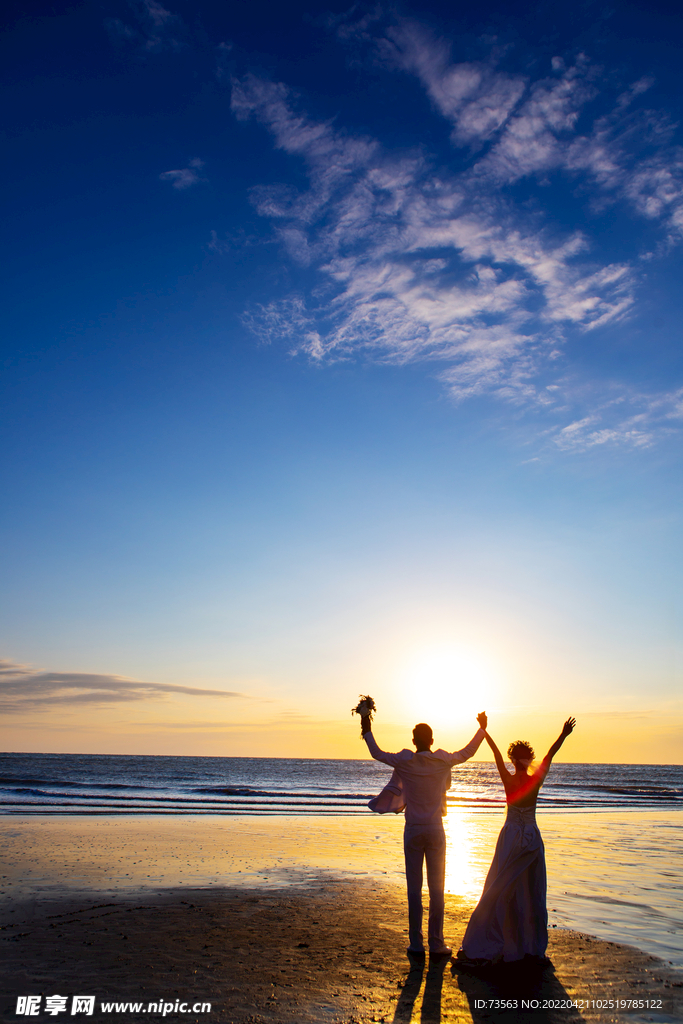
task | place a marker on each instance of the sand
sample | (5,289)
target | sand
(312,943)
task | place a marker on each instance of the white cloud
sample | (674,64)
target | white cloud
(490,303)
(655,188)
(186,177)
(536,138)
(413,263)
(619,417)
(532,126)
(584,434)
(474,96)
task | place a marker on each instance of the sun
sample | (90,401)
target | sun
(447,685)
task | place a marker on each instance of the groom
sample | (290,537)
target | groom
(425,777)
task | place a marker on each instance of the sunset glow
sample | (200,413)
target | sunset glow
(448,686)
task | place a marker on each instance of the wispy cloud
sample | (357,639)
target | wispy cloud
(416,265)
(625,418)
(185,177)
(413,263)
(153,29)
(587,433)
(475,96)
(22,689)
(532,126)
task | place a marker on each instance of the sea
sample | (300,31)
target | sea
(147,784)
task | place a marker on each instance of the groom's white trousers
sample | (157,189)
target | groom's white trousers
(425,843)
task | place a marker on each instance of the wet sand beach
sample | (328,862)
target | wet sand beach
(270,921)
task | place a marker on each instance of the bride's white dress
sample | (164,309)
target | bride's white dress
(511,919)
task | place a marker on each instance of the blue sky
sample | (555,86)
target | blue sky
(341,353)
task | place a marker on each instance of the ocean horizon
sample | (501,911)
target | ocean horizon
(179,784)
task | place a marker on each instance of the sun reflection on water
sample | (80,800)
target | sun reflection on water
(470,842)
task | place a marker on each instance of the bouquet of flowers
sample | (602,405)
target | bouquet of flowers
(365,707)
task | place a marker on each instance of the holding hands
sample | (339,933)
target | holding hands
(483,720)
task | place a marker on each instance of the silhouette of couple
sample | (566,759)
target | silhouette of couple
(510,922)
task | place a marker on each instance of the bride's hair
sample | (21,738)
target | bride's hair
(520,750)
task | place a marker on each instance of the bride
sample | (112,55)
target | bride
(510,921)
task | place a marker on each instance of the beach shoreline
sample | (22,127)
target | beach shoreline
(273,920)
(330,951)
(611,874)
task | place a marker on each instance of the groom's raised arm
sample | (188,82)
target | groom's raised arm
(458,756)
(379,755)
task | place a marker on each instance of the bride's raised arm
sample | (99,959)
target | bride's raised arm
(500,763)
(567,728)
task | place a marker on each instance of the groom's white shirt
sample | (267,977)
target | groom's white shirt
(426,776)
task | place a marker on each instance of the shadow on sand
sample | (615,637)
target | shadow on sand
(431,997)
(538,993)
(507,994)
